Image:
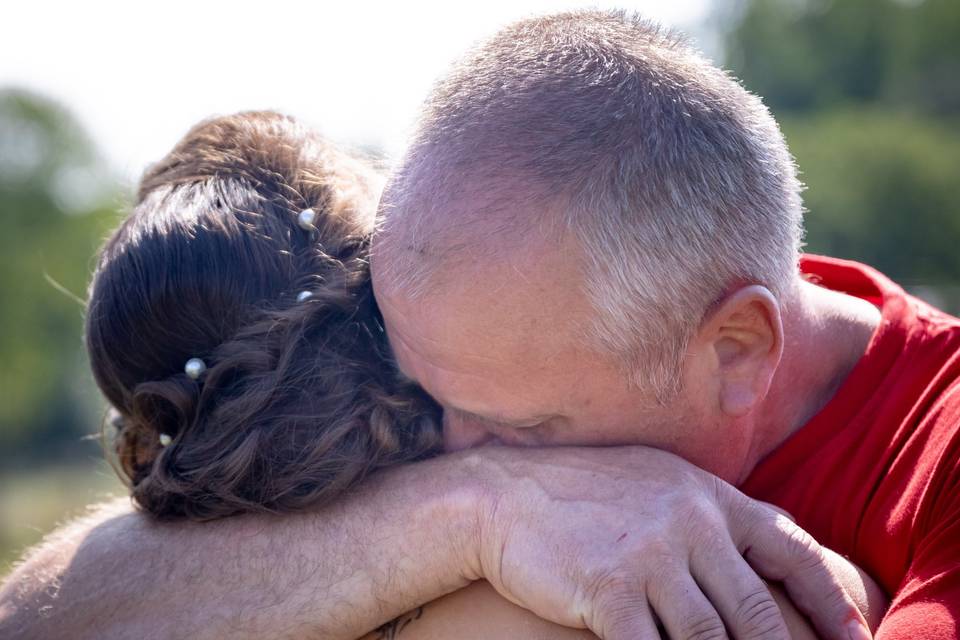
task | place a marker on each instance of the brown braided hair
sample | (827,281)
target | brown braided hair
(300,399)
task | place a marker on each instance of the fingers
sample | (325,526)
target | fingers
(625,615)
(780,550)
(684,610)
(739,595)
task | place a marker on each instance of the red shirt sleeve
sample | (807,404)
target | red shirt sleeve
(927,602)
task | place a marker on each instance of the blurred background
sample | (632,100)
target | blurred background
(867,92)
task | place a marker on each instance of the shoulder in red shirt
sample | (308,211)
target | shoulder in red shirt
(875,475)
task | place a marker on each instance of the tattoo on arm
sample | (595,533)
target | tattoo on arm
(392,629)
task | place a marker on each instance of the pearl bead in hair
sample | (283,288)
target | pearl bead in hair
(303,296)
(195,368)
(165,439)
(306,219)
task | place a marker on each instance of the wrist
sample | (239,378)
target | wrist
(494,483)
(466,507)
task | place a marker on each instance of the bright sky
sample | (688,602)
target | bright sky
(138,74)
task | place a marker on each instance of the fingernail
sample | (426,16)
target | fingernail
(856,631)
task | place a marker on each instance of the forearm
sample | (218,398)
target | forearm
(402,539)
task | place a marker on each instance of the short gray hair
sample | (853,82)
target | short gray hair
(674,178)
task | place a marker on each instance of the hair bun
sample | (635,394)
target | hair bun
(300,401)
(158,407)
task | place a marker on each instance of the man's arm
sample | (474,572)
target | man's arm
(335,573)
(588,538)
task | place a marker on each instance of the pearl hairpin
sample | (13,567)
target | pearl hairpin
(306,219)
(195,368)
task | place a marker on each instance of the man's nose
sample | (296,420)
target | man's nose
(460,432)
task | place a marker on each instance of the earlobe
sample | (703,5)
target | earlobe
(746,337)
(738,400)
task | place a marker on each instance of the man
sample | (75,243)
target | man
(591,241)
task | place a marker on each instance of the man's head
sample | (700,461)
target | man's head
(590,232)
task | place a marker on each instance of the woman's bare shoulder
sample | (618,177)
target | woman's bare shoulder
(475,612)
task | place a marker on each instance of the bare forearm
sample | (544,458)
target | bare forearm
(569,534)
(401,540)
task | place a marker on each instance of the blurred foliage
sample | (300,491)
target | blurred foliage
(34,501)
(810,55)
(883,188)
(56,203)
(868,95)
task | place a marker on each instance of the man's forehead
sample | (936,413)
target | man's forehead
(503,338)
(445,218)
(474,329)
(519,302)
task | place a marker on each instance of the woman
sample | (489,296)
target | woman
(245,255)
(232,327)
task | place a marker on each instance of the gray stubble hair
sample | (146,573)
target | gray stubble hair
(675,180)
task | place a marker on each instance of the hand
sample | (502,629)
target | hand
(612,539)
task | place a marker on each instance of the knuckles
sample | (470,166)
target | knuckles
(618,606)
(758,616)
(805,551)
(706,628)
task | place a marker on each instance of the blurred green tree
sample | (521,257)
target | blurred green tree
(883,189)
(868,95)
(810,55)
(57,201)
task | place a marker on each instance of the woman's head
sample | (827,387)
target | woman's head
(297,401)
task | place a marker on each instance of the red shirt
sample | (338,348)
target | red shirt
(876,474)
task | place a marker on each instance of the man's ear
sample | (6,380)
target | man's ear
(744,339)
